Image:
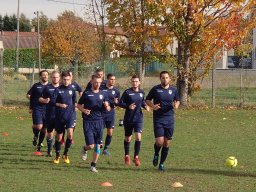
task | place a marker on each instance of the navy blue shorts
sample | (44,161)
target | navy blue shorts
(130,127)
(93,132)
(50,124)
(164,129)
(63,124)
(38,116)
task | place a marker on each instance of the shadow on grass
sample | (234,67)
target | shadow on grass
(214,172)
(11,102)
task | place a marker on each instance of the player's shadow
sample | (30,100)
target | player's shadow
(229,173)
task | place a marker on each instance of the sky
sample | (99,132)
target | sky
(51,8)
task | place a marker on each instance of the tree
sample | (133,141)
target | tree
(201,28)
(71,38)
(134,18)
(25,25)
(43,22)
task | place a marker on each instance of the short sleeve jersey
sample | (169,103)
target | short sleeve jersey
(76,87)
(165,98)
(51,93)
(35,93)
(94,102)
(65,95)
(128,97)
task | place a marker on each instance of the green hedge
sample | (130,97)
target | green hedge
(27,58)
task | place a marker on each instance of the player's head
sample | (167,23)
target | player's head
(55,77)
(66,78)
(43,75)
(96,81)
(164,78)
(135,80)
(111,79)
(99,72)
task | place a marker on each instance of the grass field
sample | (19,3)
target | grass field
(203,140)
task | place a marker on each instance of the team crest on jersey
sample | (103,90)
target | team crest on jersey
(141,95)
(70,92)
(113,92)
(73,86)
(101,96)
(170,92)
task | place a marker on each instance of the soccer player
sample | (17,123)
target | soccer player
(49,98)
(37,109)
(65,107)
(133,100)
(100,73)
(79,90)
(91,104)
(112,95)
(165,99)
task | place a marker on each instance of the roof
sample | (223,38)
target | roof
(114,31)
(27,39)
(117,30)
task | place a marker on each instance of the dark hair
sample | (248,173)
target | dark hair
(135,77)
(65,74)
(164,72)
(110,75)
(41,72)
(98,70)
(96,77)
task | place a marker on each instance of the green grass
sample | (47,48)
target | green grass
(203,140)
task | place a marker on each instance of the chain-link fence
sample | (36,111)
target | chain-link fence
(233,87)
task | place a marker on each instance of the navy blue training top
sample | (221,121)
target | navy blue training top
(76,87)
(65,95)
(130,96)
(94,102)
(110,95)
(51,93)
(165,98)
(35,93)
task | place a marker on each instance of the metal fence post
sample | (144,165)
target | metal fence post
(1,72)
(213,82)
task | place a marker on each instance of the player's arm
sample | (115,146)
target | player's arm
(176,104)
(80,105)
(149,99)
(117,98)
(123,101)
(79,89)
(45,98)
(176,101)
(59,104)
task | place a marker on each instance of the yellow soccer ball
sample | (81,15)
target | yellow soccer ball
(231,162)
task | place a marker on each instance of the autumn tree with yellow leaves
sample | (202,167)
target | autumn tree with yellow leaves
(201,28)
(71,38)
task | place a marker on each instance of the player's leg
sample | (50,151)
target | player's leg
(110,128)
(49,136)
(98,130)
(60,128)
(89,139)
(165,149)
(42,127)
(37,125)
(68,144)
(137,144)
(127,140)
(159,140)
